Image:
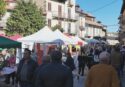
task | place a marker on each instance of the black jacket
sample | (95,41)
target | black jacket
(32,65)
(54,75)
(70,63)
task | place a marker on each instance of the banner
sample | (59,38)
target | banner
(39,53)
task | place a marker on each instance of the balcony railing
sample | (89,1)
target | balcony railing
(11,6)
(10,0)
(57,15)
(43,5)
(70,3)
(81,28)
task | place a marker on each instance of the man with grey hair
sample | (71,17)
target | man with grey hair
(102,74)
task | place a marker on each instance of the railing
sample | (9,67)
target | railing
(81,28)
(44,7)
(57,15)
(70,3)
(11,6)
(10,0)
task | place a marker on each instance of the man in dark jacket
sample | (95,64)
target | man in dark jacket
(54,74)
(25,71)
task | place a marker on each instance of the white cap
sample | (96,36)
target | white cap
(104,55)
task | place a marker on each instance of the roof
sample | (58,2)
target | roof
(89,15)
(8,43)
(93,23)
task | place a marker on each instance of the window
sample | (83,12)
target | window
(69,28)
(59,10)
(69,13)
(60,23)
(49,6)
(49,22)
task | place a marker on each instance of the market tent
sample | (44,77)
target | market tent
(62,38)
(78,40)
(94,41)
(113,42)
(15,37)
(45,35)
(8,43)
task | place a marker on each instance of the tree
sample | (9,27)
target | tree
(57,27)
(26,19)
(2,8)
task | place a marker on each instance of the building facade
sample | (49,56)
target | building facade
(94,28)
(112,38)
(87,26)
(59,13)
(80,23)
(66,14)
(122,24)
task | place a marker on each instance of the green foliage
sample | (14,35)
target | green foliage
(26,19)
(2,8)
(57,27)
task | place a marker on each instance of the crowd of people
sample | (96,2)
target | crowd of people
(8,66)
(105,64)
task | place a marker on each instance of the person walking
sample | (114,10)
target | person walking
(55,74)
(122,51)
(116,60)
(70,62)
(102,74)
(25,71)
(90,59)
(81,61)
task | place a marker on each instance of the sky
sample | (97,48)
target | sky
(106,11)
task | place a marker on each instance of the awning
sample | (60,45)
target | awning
(8,43)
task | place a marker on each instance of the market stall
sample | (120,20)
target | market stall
(8,43)
(44,35)
(60,37)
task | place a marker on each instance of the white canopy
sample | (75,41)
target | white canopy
(112,42)
(61,37)
(77,40)
(44,35)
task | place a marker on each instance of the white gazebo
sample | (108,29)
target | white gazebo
(44,35)
(77,40)
(60,37)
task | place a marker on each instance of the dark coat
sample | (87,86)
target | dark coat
(54,75)
(70,63)
(32,65)
(81,60)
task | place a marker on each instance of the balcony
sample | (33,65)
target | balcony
(62,16)
(44,12)
(70,3)
(57,15)
(60,1)
(11,6)
(81,28)
(42,5)
(71,18)
(10,0)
